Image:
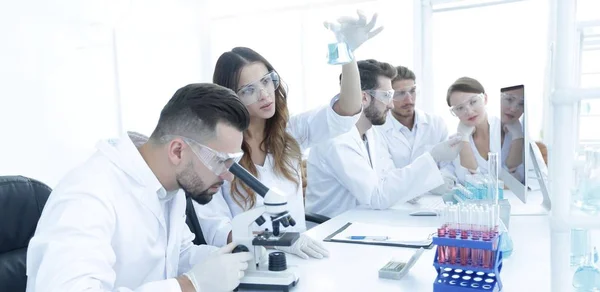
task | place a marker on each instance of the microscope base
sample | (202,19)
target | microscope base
(268,280)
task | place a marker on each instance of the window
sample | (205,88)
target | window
(499,46)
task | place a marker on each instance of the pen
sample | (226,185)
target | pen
(356,237)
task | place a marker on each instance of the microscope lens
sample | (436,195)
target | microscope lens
(276,228)
(292,221)
(285,222)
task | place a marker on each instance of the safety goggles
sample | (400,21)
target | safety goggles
(400,95)
(251,93)
(384,96)
(217,162)
(512,101)
(475,102)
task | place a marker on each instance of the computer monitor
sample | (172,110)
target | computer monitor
(514,139)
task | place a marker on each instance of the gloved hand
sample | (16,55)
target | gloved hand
(221,271)
(305,247)
(449,182)
(447,150)
(465,131)
(354,32)
(515,129)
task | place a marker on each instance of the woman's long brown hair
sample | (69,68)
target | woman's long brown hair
(278,142)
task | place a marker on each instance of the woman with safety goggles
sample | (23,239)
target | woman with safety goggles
(483,133)
(274,141)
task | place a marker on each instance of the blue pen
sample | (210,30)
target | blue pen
(358,237)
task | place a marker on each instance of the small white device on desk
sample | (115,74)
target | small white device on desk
(276,274)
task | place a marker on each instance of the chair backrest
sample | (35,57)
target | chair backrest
(191,219)
(21,202)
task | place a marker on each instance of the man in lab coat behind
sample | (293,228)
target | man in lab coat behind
(356,168)
(410,132)
(117,222)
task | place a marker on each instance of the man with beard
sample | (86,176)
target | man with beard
(117,222)
(356,168)
(410,132)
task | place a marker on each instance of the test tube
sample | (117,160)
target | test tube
(452,250)
(442,233)
(492,178)
(465,218)
(475,234)
(488,228)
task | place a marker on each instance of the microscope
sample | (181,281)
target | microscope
(276,274)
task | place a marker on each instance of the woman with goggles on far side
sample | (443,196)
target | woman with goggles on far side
(483,133)
(274,141)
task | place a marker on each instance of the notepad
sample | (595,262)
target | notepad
(414,237)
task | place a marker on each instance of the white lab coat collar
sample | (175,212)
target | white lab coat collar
(125,155)
(393,127)
(357,137)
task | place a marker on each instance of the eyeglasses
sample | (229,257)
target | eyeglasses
(250,93)
(474,102)
(384,96)
(511,100)
(400,95)
(217,162)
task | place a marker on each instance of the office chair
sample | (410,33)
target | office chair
(191,219)
(21,202)
(313,218)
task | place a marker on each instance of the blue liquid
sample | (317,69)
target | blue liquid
(506,245)
(579,246)
(587,278)
(339,54)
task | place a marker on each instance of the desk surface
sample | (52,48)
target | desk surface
(354,267)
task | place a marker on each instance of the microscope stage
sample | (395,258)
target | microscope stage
(268,239)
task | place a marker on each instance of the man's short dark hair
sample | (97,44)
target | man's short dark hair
(369,70)
(195,110)
(404,74)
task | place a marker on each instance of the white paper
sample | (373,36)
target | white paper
(395,234)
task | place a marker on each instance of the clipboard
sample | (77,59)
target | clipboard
(331,238)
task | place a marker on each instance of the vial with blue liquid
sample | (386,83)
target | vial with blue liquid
(338,51)
(587,276)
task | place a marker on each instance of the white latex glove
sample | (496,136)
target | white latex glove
(221,271)
(449,182)
(354,32)
(447,150)
(465,131)
(515,129)
(306,247)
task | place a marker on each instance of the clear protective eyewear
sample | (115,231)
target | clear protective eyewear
(476,101)
(511,100)
(384,96)
(251,93)
(217,162)
(400,95)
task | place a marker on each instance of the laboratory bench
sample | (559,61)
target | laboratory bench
(354,267)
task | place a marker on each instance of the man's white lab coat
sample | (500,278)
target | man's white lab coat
(340,176)
(308,128)
(428,131)
(110,226)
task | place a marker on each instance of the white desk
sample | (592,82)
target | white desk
(354,267)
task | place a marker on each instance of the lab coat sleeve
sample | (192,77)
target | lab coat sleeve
(357,176)
(71,250)
(215,220)
(191,254)
(319,125)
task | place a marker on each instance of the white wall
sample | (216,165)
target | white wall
(58,95)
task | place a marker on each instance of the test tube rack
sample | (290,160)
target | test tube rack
(468,278)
